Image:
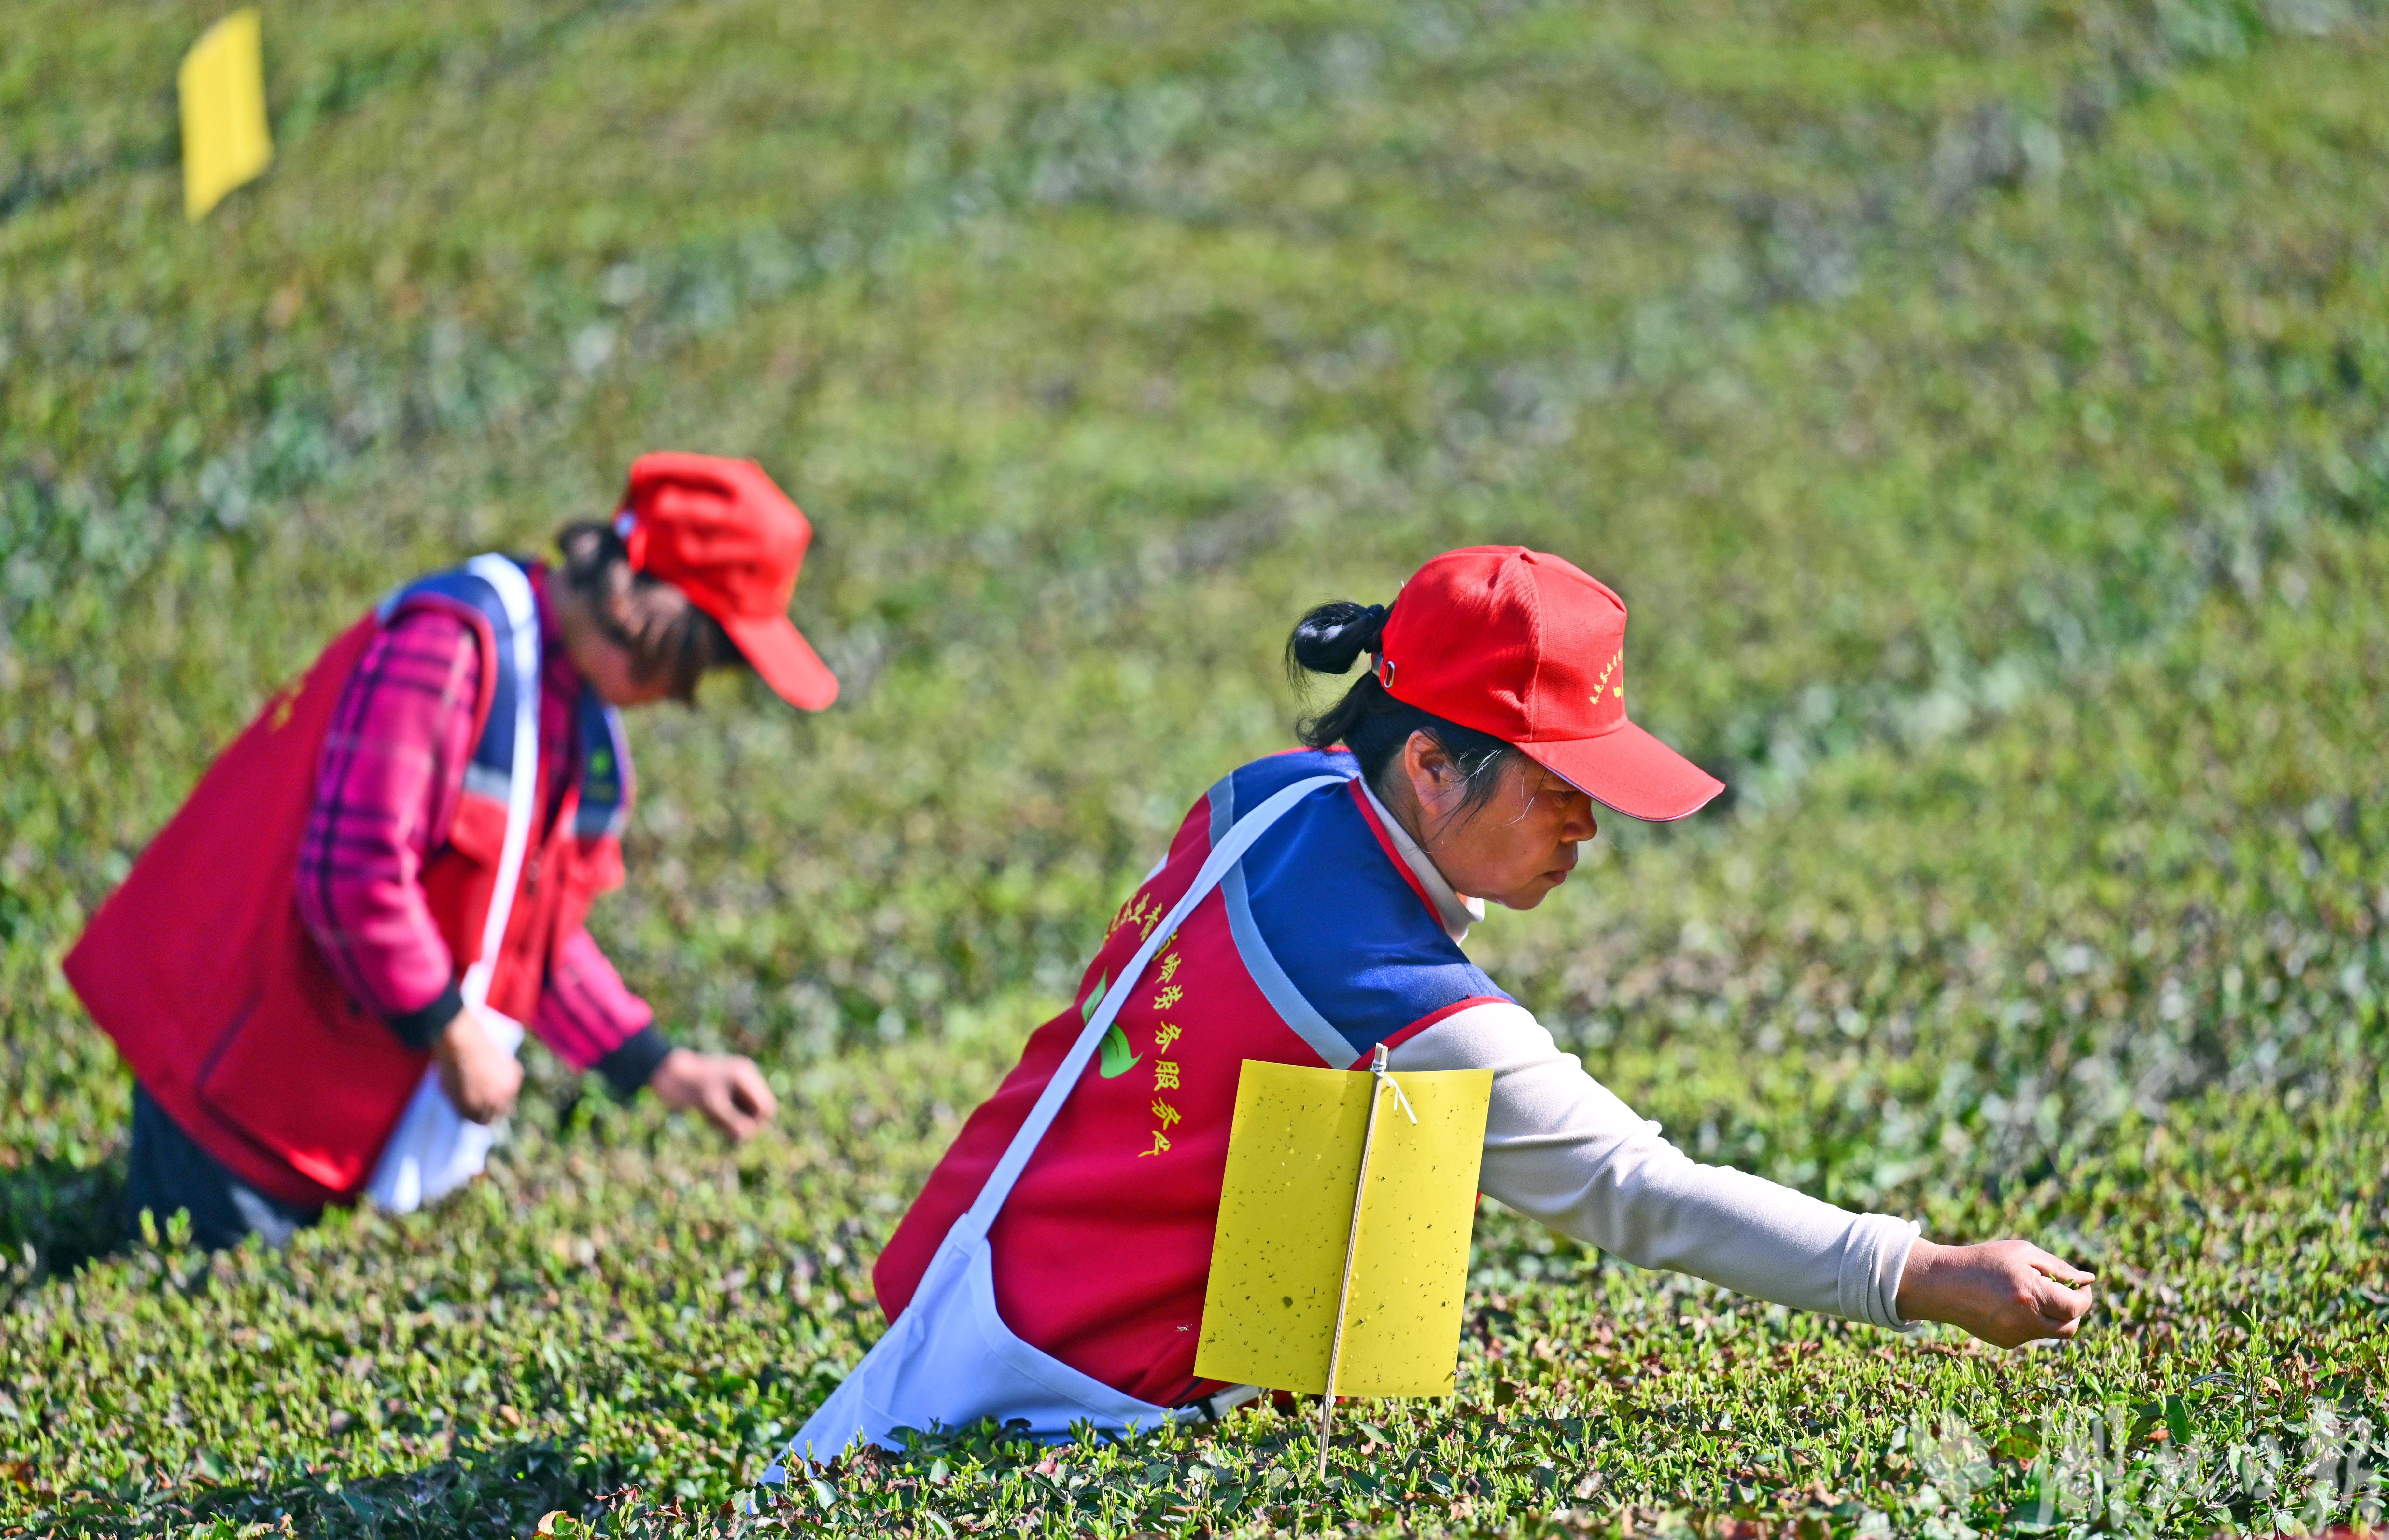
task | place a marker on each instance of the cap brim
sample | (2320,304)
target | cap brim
(1632,771)
(779,653)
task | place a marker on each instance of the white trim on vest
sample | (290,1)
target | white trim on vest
(433,1150)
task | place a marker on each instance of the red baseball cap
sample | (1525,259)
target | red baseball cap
(1529,648)
(721,533)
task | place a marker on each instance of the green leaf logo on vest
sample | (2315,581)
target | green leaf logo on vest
(1117,1057)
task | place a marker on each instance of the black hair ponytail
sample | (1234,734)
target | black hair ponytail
(1333,636)
(1368,719)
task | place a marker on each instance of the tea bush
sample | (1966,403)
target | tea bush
(1981,407)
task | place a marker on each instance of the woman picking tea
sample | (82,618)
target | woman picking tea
(1314,906)
(318,971)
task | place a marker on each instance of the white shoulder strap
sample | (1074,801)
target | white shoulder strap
(522,615)
(1225,854)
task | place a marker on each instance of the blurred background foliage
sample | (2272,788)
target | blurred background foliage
(1981,406)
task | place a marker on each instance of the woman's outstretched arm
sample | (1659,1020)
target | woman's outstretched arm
(1561,1148)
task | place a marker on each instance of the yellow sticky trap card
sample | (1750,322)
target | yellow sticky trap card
(223,88)
(1324,1216)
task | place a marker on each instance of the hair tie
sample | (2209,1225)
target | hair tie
(631,531)
(1374,614)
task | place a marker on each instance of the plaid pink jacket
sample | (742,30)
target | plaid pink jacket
(386,793)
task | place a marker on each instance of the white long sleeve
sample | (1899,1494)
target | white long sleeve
(1560,1147)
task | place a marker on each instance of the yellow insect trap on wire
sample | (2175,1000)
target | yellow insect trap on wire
(1341,1258)
(222,84)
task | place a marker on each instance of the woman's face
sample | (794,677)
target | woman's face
(603,662)
(1513,847)
(606,665)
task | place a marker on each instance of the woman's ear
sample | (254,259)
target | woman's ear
(1433,777)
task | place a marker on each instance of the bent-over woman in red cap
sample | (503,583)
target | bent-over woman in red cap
(1312,907)
(318,971)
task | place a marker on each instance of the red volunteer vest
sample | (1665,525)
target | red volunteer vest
(1317,946)
(218,1001)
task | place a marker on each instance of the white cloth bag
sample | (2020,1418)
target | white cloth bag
(949,1359)
(434,1151)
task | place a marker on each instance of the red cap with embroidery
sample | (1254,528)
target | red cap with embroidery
(1526,647)
(721,533)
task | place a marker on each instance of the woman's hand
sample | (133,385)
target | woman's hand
(480,1079)
(726,1087)
(2008,1292)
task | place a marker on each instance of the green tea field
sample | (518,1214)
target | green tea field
(1983,405)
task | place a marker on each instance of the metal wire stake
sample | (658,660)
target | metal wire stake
(1377,1083)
